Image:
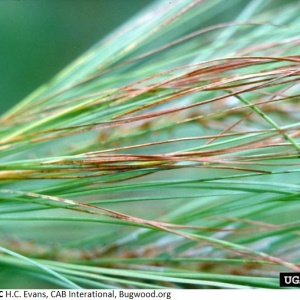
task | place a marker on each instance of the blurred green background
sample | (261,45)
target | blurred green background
(40,37)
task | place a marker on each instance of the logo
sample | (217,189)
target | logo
(289,279)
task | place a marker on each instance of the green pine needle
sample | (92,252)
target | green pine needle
(167,156)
